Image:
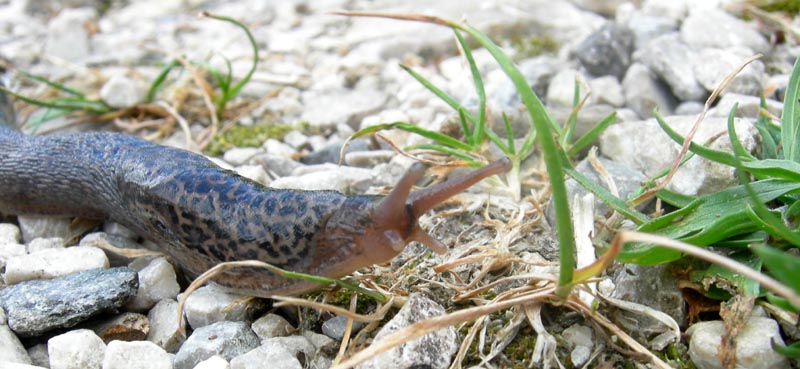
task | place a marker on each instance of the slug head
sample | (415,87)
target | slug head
(393,221)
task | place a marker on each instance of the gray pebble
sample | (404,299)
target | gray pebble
(417,352)
(34,307)
(335,327)
(39,356)
(607,51)
(671,59)
(226,339)
(644,92)
(36,226)
(271,325)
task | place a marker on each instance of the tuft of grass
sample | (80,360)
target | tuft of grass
(73,101)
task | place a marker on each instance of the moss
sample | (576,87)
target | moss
(528,47)
(787,6)
(250,136)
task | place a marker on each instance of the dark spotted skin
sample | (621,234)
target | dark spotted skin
(201,214)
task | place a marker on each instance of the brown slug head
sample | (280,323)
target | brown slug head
(393,221)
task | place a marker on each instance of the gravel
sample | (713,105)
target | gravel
(334,75)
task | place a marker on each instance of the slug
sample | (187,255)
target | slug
(201,214)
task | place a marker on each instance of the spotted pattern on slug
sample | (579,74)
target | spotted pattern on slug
(201,214)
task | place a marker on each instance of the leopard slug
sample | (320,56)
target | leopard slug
(201,214)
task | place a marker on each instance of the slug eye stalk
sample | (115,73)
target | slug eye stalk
(398,213)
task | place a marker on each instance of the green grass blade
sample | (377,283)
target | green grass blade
(790,120)
(709,219)
(773,168)
(612,201)
(770,133)
(511,149)
(772,225)
(230,93)
(57,86)
(441,138)
(783,266)
(461,154)
(713,155)
(572,120)
(551,153)
(675,199)
(439,93)
(736,144)
(159,80)
(71,104)
(476,136)
(591,135)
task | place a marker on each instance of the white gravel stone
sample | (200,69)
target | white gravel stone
(295,139)
(52,263)
(606,90)
(9,233)
(254,172)
(136,355)
(39,244)
(226,339)
(67,35)
(716,28)
(645,147)
(122,92)
(164,326)
(10,250)
(214,362)
(157,281)
(275,147)
(753,345)
(561,90)
(267,357)
(271,325)
(240,155)
(326,177)
(80,348)
(580,338)
(10,365)
(713,65)
(36,226)
(11,350)
(212,303)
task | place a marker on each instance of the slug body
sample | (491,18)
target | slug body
(202,214)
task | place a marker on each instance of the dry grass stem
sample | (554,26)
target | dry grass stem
(703,254)
(189,144)
(424,327)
